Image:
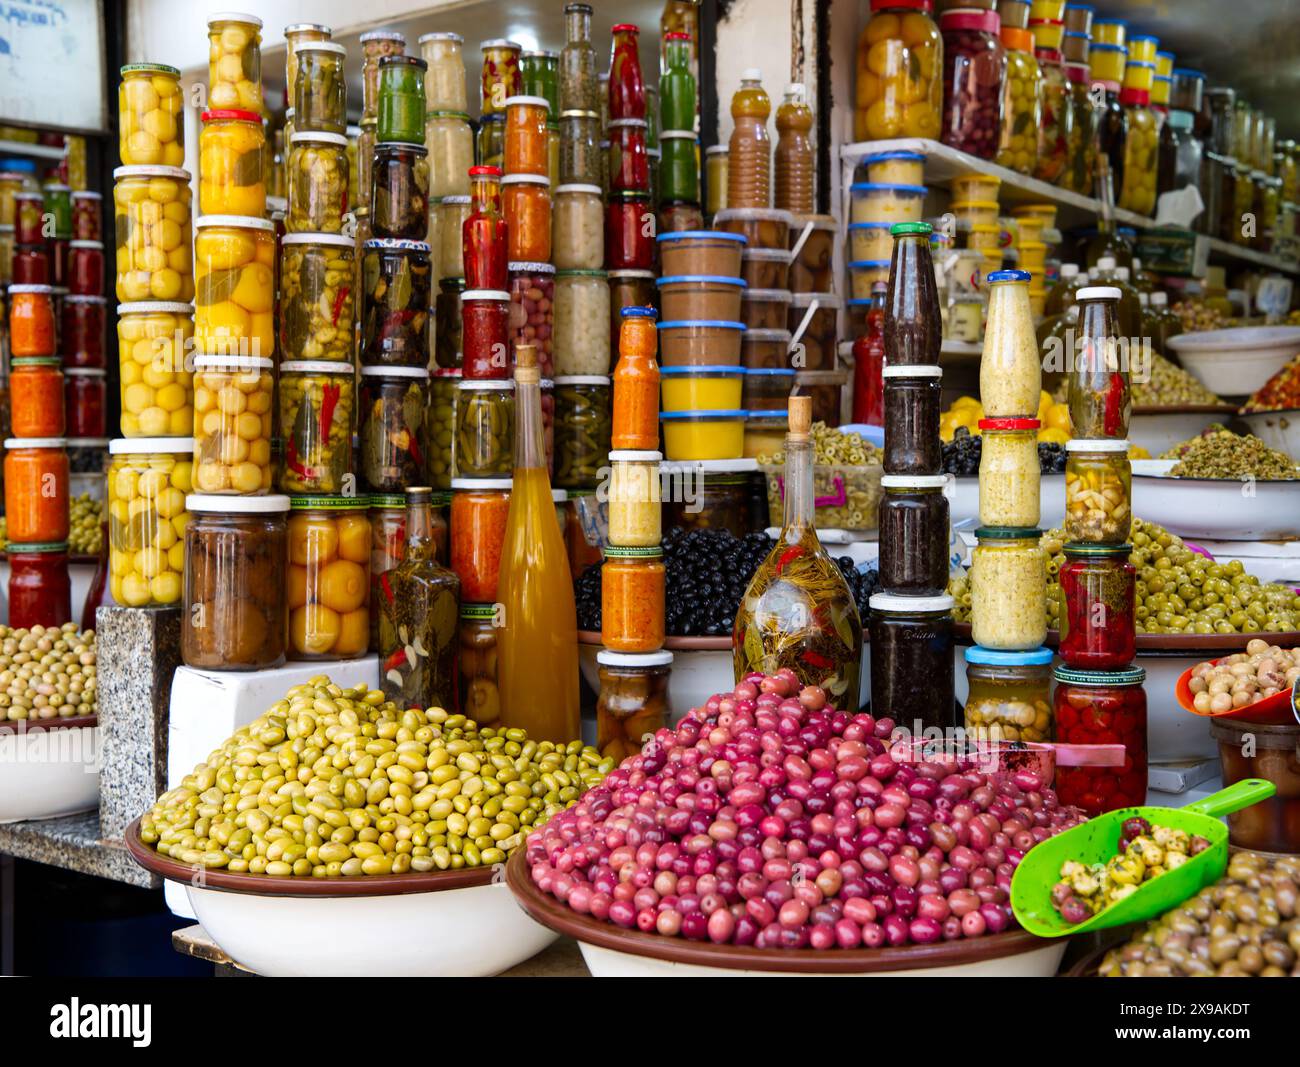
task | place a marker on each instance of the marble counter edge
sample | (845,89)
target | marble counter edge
(73,843)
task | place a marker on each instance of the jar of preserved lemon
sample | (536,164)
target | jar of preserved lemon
(234,286)
(232,144)
(1141,150)
(329,577)
(157,387)
(151,116)
(148,480)
(152,205)
(235,61)
(1022,103)
(899,73)
(232,424)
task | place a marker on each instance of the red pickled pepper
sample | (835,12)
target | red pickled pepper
(1089,642)
(626,86)
(869,361)
(484,232)
(1096,715)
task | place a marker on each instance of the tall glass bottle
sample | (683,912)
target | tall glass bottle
(680,16)
(539,641)
(579,84)
(913,325)
(1099,395)
(749,168)
(626,85)
(419,609)
(677,86)
(798,611)
(484,232)
(795,161)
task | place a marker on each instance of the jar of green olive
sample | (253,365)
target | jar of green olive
(440,426)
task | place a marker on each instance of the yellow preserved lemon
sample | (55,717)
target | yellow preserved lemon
(881,27)
(255,290)
(1053,436)
(342,586)
(313,629)
(225,249)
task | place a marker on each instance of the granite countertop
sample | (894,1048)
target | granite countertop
(73,842)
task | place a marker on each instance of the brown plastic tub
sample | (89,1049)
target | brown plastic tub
(765,309)
(692,297)
(700,344)
(766,268)
(766,348)
(701,252)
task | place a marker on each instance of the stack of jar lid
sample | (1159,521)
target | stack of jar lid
(911,618)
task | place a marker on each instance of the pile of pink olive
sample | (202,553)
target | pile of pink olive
(768,818)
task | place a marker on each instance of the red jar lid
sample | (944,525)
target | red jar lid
(625,27)
(231,114)
(495,172)
(1009,424)
(961,19)
(677,35)
(889,5)
(1141,97)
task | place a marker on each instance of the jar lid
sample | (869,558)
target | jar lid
(100,442)
(305,27)
(1187,72)
(578,187)
(530,101)
(483,385)
(462,116)
(1102,46)
(318,135)
(1098,292)
(635,124)
(315,366)
(869,264)
(695,235)
(706,415)
(885,5)
(36,442)
(991,657)
(214,362)
(578,113)
(704,371)
(484,294)
(447,373)
(402,60)
(763,372)
(1088,548)
(633,552)
(86,244)
(708,324)
(1008,533)
(39,290)
(581,379)
(753,214)
(887,187)
(908,229)
(910,605)
(1128,676)
(150,68)
(767,334)
(84,372)
(881,157)
(1096,444)
(495,485)
(242,505)
(242,222)
(631,455)
(922,371)
(1008,276)
(329,502)
(583,273)
(1009,424)
(529,267)
(150,171)
(35,548)
(477,612)
(321,46)
(148,307)
(828,301)
(401,146)
(718,150)
(37,361)
(234,16)
(770,255)
(231,114)
(387,500)
(662,658)
(78,298)
(714,466)
(525,179)
(913,481)
(714,279)
(676,135)
(335,240)
(500,42)
(638,311)
(870,225)
(631,274)
(382,35)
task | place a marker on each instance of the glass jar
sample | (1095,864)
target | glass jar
(767,388)
(1265,210)
(234,300)
(231,146)
(318,183)
(526,205)
(1009,477)
(387,515)
(151,116)
(500,78)
(366,142)
(85,276)
(1056,130)
(450,140)
(490,143)
(233,398)
(627,93)
(36,489)
(899,60)
(31,321)
(1099,395)
(375,47)
(295,36)
(1141,148)
(632,599)
(633,701)
(628,289)
(485,429)
(532,312)
(1022,103)
(912,444)
(439,427)
(526,150)
(485,254)
(320,91)
(629,165)
(1097,616)
(448,327)
(679,172)
(1009,697)
(328,577)
(316,405)
(582,430)
(390,416)
(396,295)
(235,61)
(401,100)
(911,661)
(157,395)
(540,76)
(479,508)
(1098,491)
(85,399)
(87,223)
(40,588)
(578,221)
(58,206)
(480,698)
(579,85)
(635,519)
(974,69)
(84,322)
(317,306)
(153,258)
(1102,708)
(485,334)
(29,264)
(444,77)
(36,397)
(1008,586)
(1260,751)
(914,534)
(148,480)
(629,232)
(581,162)
(582,315)
(399,199)
(449,261)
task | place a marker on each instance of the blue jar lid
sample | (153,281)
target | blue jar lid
(1188,72)
(765,372)
(701,416)
(1143,37)
(1097,47)
(709,371)
(870,225)
(1034,657)
(875,187)
(1008,276)
(718,279)
(634,312)
(907,157)
(682,235)
(716,323)
(867,264)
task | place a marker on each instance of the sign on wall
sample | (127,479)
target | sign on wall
(52,63)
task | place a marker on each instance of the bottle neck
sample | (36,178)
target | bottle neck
(486,195)
(530,446)
(419,530)
(799,502)
(577,28)
(677,56)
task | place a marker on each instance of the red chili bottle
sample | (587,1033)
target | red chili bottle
(1102,708)
(1097,621)
(484,232)
(40,590)
(626,86)
(869,361)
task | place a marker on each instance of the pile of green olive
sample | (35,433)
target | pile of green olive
(85,525)
(341,782)
(47,673)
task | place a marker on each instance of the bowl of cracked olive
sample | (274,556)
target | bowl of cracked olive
(392,825)
(1279,429)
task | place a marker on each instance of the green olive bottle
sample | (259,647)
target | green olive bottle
(419,611)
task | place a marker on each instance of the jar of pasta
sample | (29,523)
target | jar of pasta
(235,61)
(390,416)
(444,80)
(148,480)
(318,183)
(526,205)
(578,222)
(439,427)
(450,140)
(320,92)
(36,489)
(1009,475)
(485,429)
(234,286)
(632,599)
(1009,696)
(152,205)
(633,701)
(232,146)
(36,397)
(396,293)
(85,323)
(318,312)
(328,588)
(582,430)
(399,200)
(232,424)
(480,697)
(582,317)
(1008,585)
(1098,491)
(316,404)
(151,116)
(635,519)
(235,610)
(157,388)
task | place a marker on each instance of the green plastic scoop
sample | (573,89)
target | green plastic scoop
(1097,840)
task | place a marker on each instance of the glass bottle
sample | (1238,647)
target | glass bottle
(636,383)
(419,610)
(484,233)
(913,325)
(539,642)
(626,86)
(1099,395)
(798,611)
(1112,134)
(677,85)
(869,361)
(795,161)
(680,16)
(579,87)
(749,170)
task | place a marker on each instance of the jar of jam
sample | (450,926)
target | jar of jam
(633,700)
(1008,587)
(629,232)
(36,489)
(1102,708)
(914,534)
(86,268)
(1098,491)
(526,143)
(85,323)
(912,444)
(911,661)
(31,321)
(40,589)
(479,508)
(36,398)
(399,199)
(1009,695)
(1097,615)
(632,599)
(485,333)
(974,68)
(87,211)
(86,401)
(526,204)
(30,265)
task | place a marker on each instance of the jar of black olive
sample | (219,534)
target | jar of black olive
(911,661)
(912,444)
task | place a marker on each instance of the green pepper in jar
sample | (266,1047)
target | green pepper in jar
(316,416)
(485,429)
(392,413)
(317,303)
(583,425)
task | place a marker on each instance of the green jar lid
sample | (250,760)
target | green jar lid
(388,500)
(903,229)
(35,547)
(1083,549)
(333,502)
(628,552)
(1100,679)
(1007,533)
(35,361)
(441,498)
(151,68)
(478,611)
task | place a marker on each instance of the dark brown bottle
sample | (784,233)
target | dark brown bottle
(913,328)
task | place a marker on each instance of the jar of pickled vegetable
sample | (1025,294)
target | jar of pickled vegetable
(1098,491)
(1102,708)
(84,325)
(448,347)
(582,430)
(28,264)
(578,219)
(31,321)
(582,315)
(232,144)
(295,37)
(232,424)
(40,588)
(912,444)
(490,142)
(485,429)
(525,135)
(914,532)
(1141,148)
(36,489)
(87,223)
(444,77)
(974,69)
(375,46)
(318,183)
(151,116)
(36,397)
(633,700)
(479,508)
(320,92)
(235,61)
(1099,396)
(1009,476)
(399,198)
(526,206)
(580,160)
(85,398)
(485,333)
(58,206)
(579,85)
(316,405)
(401,99)
(317,306)
(532,311)
(396,295)
(157,389)
(1022,103)
(501,78)
(153,234)
(439,428)
(387,515)
(234,286)
(450,140)
(632,599)
(389,420)
(148,480)
(629,165)
(1009,697)
(328,576)
(484,232)
(1097,617)
(911,661)
(629,232)
(635,519)
(1008,585)
(1056,130)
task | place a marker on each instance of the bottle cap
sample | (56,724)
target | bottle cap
(751,74)
(800,417)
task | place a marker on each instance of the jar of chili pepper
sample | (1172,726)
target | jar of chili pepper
(85,393)
(629,232)
(1097,621)
(31,265)
(87,209)
(31,320)
(1102,708)
(479,508)
(632,599)
(485,333)
(396,297)
(36,489)
(36,397)
(629,165)
(85,323)
(85,268)
(40,590)
(626,86)
(526,204)
(526,149)
(484,232)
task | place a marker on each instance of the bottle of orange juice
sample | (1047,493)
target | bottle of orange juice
(749,175)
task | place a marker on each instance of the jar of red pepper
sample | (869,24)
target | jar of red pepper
(629,166)
(85,392)
(626,85)
(85,268)
(629,232)
(31,265)
(974,67)
(1097,627)
(84,325)
(36,397)
(869,362)
(31,320)
(1102,708)
(87,207)
(40,589)
(485,333)
(484,232)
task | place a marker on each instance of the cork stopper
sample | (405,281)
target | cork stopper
(526,369)
(800,418)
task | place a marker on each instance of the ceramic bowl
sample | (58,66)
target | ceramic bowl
(48,769)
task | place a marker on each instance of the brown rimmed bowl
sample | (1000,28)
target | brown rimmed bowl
(442,924)
(48,768)
(612,952)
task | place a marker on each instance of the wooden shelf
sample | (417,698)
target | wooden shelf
(32,151)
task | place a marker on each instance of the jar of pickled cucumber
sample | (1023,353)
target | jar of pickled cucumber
(582,430)
(1009,695)
(899,73)
(318,183)
(151,116)
(154,261)
(1081,141)
(1022,103)
(318,311)
(448,325)
(232,144)
(316,403)
(235,61)
(485,429)
(232,424)
(320,93)
(157,387)
(148,480)
(390,417)
(439,428)
(234,281)
(295,36)
(328,578)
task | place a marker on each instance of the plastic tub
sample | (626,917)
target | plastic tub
(765,348)
(1029,228)
(701,252)
(766,268)
(762,227)
(691,435)
(765,433)
(767,389)
(1033,257)
(884,202)
(764,309)
(1272,825)
(895,168)
(689,297)
(985,235)
(863,275)
(975,187)
(815,346)
(826,387)
(976,211)
(1046,212)
(701,388)
(700,344)
(870,241)
(1037,302)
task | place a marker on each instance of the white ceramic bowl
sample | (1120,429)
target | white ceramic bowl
(965,503)
(1225,509)
(1237,361)
(1158,430)
(47,772)
(1277,429)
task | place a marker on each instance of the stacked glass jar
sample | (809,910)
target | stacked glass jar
(450,139)
(679,205)
(911,618)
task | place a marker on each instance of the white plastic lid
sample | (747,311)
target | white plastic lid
(635,456)
(525,179)
(208,361)
(85,372)
(773,296)
(1096,444)
(913,481)
(559,496)
(241,505)
(484,294)
(92,442)
(318,135)
(80,298)
(144,307)
(751,74)
(662,658)
(36,442)
(593,190)
(528,101)
(1121,273)
(316,366)
(385,372)
(1106,263)
(775,255)
(243,222)
(495,484)
(1159,299)
(337,240)
(130,446)
(322,46)
(581,379)
(830,301)
(151,171)
(481,384)
(1069,270)
(1098,292)
(234,16)
(715,466)
(910,604)
(85,244)
(912,372)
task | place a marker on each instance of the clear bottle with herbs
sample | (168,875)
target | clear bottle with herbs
(1099,395)
(798,611)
